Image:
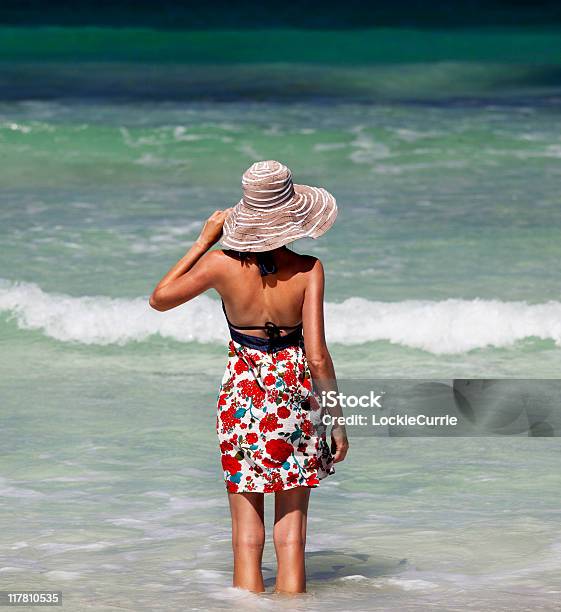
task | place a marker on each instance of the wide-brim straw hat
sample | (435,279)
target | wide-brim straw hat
(275,211)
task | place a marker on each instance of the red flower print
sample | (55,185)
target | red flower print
(283,412)
(251,438)
(250,388)
(282,355)
(232,487)
(307,384)
(290,378)
(222,399)
(275,484)
(312,481)
(240,366)
(231,464)
(313,463)
(279,449)
(225,446)
(307,427)
(269,423)
(269,380)
(292,478)
(227,418)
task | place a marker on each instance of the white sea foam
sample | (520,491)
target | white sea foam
(62,575)
(104,320)
(440,327)
(56,548)
(8,490)
(412,585)
(353,578)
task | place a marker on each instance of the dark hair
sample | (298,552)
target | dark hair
(265,260)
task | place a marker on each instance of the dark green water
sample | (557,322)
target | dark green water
(395,64)
(332,47)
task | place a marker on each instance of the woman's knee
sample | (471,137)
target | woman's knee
(289,538)
(251,540)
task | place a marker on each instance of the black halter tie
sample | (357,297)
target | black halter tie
(272,330)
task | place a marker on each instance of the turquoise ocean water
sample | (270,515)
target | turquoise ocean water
(444,262)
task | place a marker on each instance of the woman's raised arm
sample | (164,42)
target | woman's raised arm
(185,280)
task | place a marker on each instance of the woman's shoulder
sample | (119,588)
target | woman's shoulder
(215,262)
(307,263)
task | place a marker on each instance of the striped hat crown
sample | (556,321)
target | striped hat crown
(275,211)
(267,184)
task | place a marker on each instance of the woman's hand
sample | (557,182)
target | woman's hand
(212,230)
(339,443)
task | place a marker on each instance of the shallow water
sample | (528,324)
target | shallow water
(443,263)
(112,492)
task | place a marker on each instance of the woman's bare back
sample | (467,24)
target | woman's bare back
(252,299)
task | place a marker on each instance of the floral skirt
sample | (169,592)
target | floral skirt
(269,422)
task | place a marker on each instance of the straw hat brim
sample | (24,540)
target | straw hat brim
(308,214)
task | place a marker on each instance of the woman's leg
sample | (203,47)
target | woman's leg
(291,514)
(248,539)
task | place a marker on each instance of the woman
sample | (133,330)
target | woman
(268,421)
